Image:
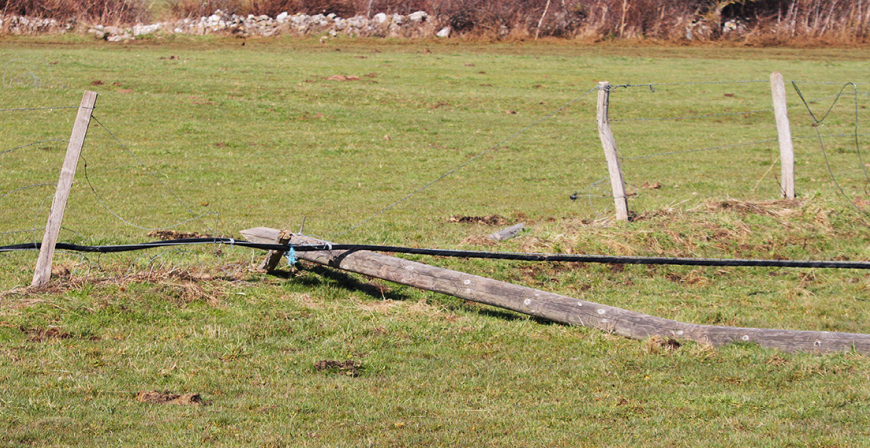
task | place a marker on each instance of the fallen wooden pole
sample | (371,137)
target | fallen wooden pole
(559,308)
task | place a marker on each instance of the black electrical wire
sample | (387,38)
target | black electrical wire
(721,262)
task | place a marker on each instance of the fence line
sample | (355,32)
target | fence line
(803,102)
(157,178)
(33,144)
(466,163)
(27,109)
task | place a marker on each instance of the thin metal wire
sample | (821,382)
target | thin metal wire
(486,151)
(828,136)
(33,144)
(768,140)
(651,86)
(171,192)
(27,109)
(120,218)
(10,232)
(817,122)
(747,112)
(26,187)
(688,117)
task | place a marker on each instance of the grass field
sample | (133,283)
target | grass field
(239,136)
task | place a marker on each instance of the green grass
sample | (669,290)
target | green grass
(258,135)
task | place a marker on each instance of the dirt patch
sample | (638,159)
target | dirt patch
(772,208)
(173,235)
(45,334)
(342,78)
(166,397)
(60,271)
(657,344)
(477,240)
(491,220)
(349,367)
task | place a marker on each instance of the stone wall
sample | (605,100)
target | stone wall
(418,24)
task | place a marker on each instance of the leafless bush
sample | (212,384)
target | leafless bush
(837,20)
(104,11)
(782,20)
(197,8)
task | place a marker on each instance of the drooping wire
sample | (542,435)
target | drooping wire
(768,140)
(121,218)
(157,178)
(33,144)
(651,86)
(28,109)
(816,124)
(466,163)
(46,184)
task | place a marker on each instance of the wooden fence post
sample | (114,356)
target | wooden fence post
(42,273)
(617,183)
(274,256)
(783,130)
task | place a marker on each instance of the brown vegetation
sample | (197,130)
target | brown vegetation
(756,20)
(103,11)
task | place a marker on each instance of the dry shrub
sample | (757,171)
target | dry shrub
(755,21)
(787,20)
(103,11)
(198,8)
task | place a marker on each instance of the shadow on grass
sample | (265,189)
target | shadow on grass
(381,293)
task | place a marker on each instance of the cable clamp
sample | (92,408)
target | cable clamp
(232,242)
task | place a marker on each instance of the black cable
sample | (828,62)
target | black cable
(721,262)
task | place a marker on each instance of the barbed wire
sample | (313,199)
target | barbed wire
(49,184)
(727,114)
(33,144)
(466,163)
(689,117)
(735,145)
(803,137)
(817,122)
(651,86)
(157,178)
(27,109)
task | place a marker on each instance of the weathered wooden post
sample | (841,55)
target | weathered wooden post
(42,273)
(617,183)
(271,261)
(783,130)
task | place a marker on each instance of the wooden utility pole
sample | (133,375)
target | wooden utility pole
(42,273)
(783,131)
(555,307)
(617,183)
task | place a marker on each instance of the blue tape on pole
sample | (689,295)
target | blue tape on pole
(291,256)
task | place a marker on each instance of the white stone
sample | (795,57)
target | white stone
(418,16)
(444,32)
(139,30)
(380,17)
(282,17)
